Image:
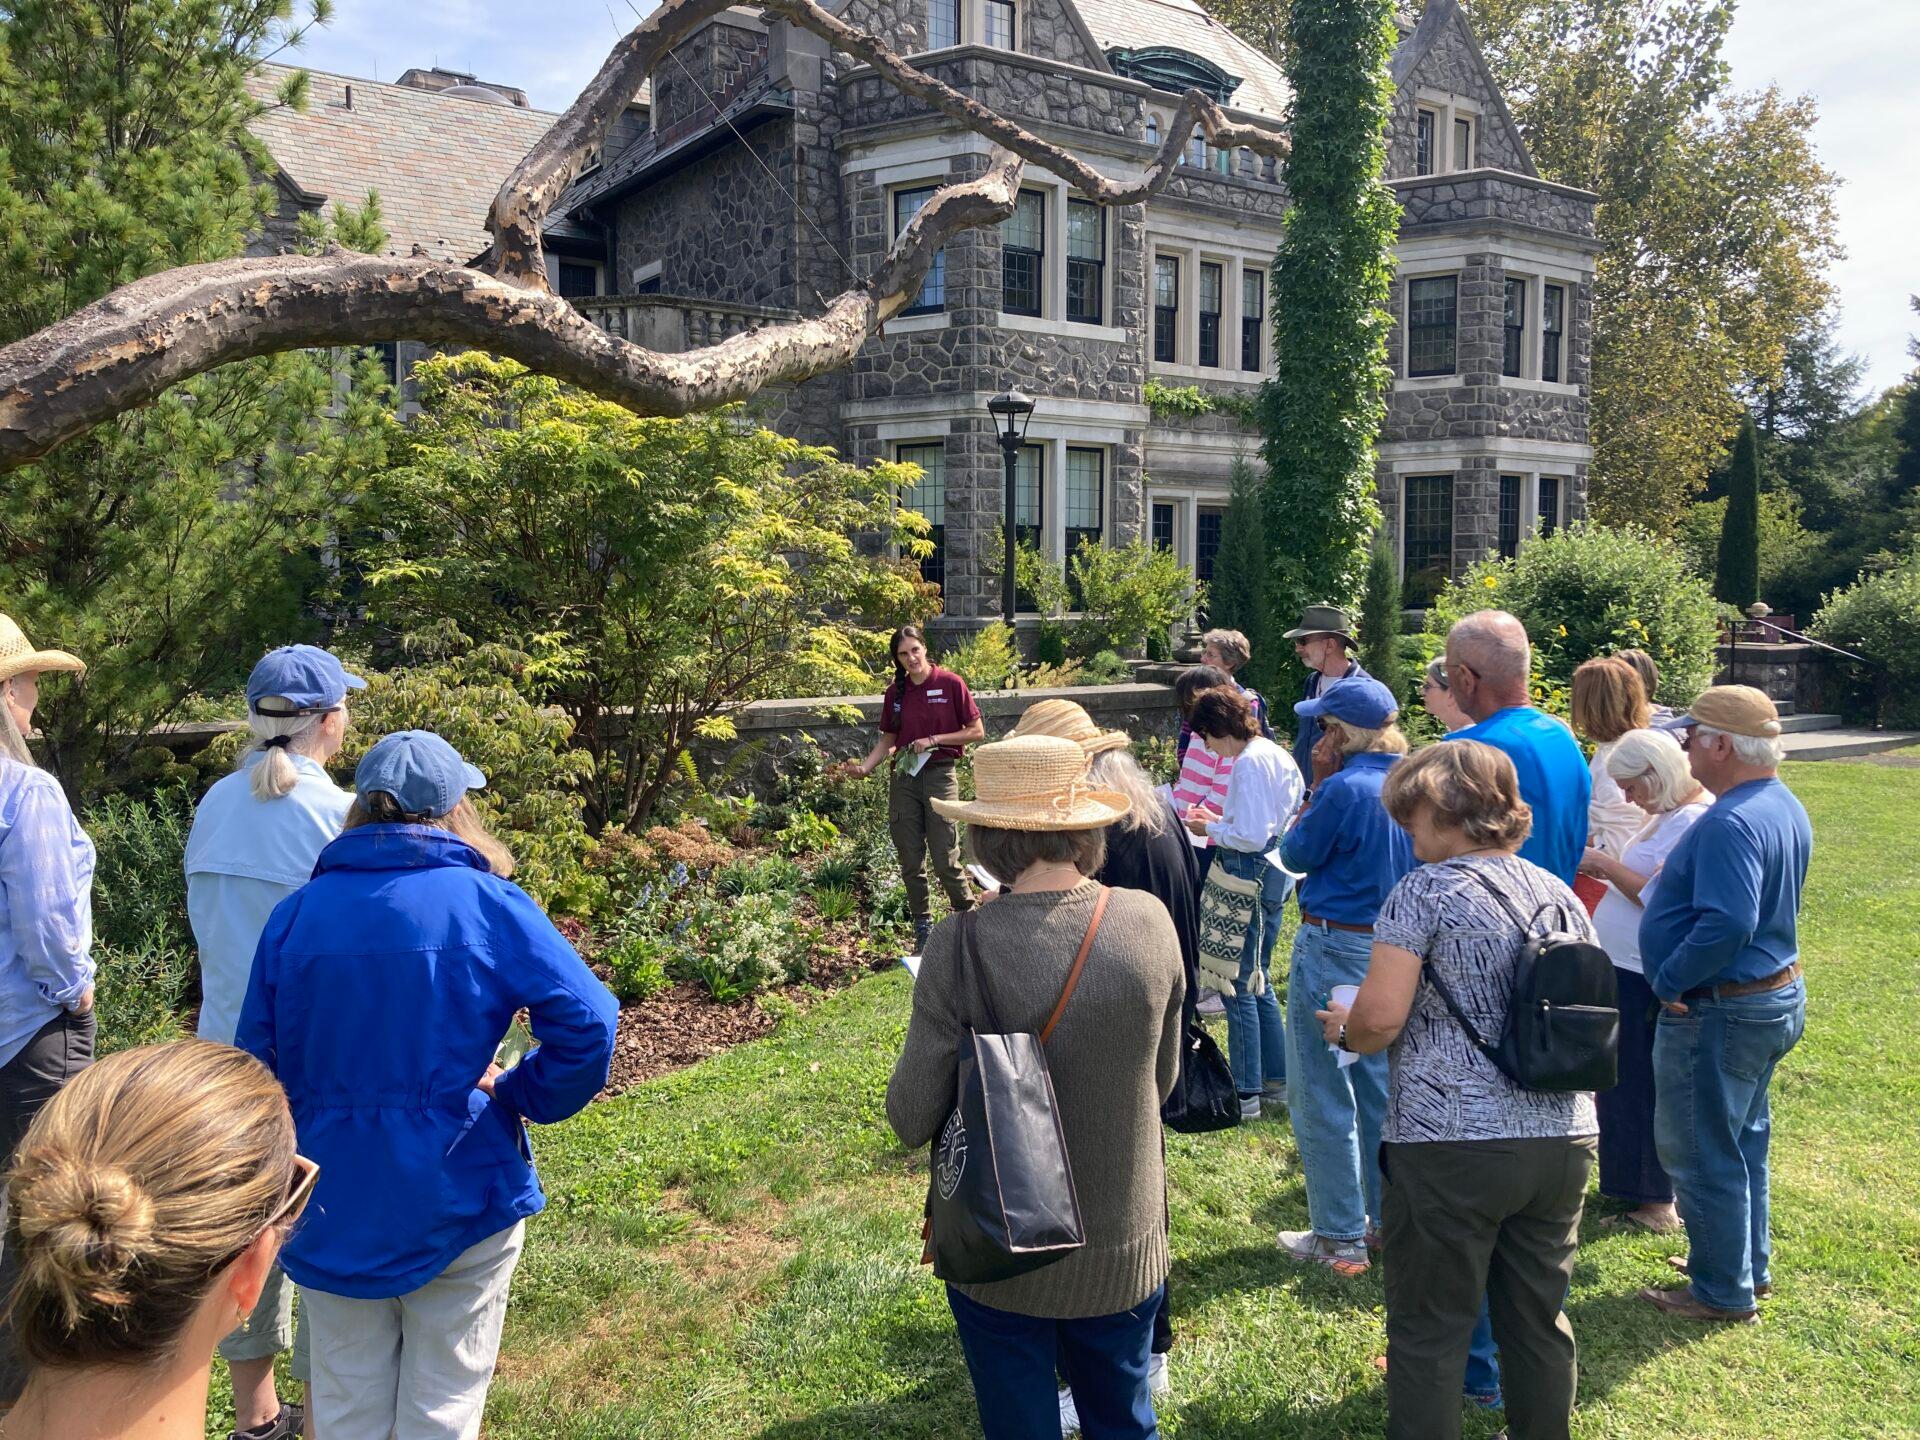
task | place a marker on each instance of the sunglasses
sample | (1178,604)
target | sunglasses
(306,1175)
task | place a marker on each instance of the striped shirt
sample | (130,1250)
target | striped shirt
(46,905)
(1202,779)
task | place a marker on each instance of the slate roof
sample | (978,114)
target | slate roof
(436,161)
(1182,24)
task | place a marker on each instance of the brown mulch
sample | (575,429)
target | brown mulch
(684,1025)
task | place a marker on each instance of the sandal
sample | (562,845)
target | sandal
(1630,1220)
(1761,1291)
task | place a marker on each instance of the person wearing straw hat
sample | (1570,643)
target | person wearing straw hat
(1040,828)
(1321,642)
(46,928)
(1721,946)
(1145,851)
(379,994)
(256,834)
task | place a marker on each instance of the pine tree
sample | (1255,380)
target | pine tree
(1331,281)
(1737,576)
(1236,598)
(171,546)
(1380,622)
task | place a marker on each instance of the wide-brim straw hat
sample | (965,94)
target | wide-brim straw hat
(1070,721)
(18,655)
(1034,782)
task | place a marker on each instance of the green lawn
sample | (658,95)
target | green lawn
(731,1251)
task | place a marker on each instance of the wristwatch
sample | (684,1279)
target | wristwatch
(1340,1040)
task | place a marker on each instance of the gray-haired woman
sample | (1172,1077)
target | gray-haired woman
(255,838)
(46,930)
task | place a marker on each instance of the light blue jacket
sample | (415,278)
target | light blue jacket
(379,993)
(46,905)
(244,856)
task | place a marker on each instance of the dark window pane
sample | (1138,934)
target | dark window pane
(1427,537)
(1162,526)
(1510,486)
(1553,307)
(578,281)
(1549,504)
(1210,287)
(1515,328)
(1029,489)
(1253,316)
(648,286)
(1197,148)
(933,290)
(928,495)
(1086,502)
(1023,250)
(1166,308)
(1462,145)
(943,23)
(1423,142)
(1430,325)
(1206,540)
(1086,262)
(1000,25)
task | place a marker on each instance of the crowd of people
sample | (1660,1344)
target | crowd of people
(349,1123)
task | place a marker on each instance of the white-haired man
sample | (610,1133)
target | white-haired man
(1720,941)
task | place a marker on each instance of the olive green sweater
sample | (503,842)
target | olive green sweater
(1114,1057)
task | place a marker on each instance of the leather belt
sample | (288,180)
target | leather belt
(1306,919)
(1779,980)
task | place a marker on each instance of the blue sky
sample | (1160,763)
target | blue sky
(1855,56)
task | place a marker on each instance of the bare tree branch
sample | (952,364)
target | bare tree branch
(124,349)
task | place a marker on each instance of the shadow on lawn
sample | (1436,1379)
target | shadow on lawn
(1620,1332)
(927,1409)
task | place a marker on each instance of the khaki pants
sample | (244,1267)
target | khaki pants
(1499,1218)
(917,828)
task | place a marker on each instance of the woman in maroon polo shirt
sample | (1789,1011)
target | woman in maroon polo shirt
(927,717)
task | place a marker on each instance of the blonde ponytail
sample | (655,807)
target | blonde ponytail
(274,736)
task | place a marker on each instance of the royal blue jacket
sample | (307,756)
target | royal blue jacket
(379,993)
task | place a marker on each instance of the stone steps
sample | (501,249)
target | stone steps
(1844,742)
(1796,724)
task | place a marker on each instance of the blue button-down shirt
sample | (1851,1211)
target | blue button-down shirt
(1308,733)
(46,905)
(1728,903)
(1347,845)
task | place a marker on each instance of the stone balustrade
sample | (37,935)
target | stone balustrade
(673,323)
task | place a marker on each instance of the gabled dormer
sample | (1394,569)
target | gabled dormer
(1448,114)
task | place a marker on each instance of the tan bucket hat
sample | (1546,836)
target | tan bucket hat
(1034,782)
(18,655)
(1070,721)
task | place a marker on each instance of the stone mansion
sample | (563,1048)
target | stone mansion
(758,172)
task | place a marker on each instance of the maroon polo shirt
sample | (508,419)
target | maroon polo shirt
(941,706)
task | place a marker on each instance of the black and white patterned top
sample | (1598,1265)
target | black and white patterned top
(1439,1086)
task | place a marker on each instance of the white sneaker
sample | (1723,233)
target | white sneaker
(1275,1097)
(1343,1257)
(1250,1108)
(1211,1004)
(1069,1414)
(1158,1381)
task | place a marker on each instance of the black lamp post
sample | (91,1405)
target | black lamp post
(1012,410)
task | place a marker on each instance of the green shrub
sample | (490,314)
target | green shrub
(1591,590)
(481,700)
(142,994)
(639,966)
(1126,596)
(838,871)
(1878,616)
(805,833)
(1159,757)
(139,880)
(985,659)
(836,904)
(1105,668)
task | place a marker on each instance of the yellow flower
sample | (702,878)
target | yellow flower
(1491,583)
(1563,632)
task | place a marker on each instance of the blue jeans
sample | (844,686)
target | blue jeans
(1483,1360)
(1337,1113)
(1256,1035)
(1013,1359)
(1711,1123)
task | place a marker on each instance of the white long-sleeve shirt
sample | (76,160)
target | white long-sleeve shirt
(1262,794)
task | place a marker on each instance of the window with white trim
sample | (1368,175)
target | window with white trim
(1432,313)
(1462,143)
(1085,512)
(1553,321)
(1512,487)
(1029,507)
(933,290)
(1197,149)
(1023,252)
(1166,308)
(1212,282)
(1513,328)
(1086,262)
(943,24)
(1002,31)
(1253,316)
(1549,504)
(1425,125)
(1426,536)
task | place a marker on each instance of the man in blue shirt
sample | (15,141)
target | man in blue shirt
(1489,666)
(1320,642)
(1721,945)
(1352,855)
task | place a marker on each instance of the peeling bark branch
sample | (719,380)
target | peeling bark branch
(124,349)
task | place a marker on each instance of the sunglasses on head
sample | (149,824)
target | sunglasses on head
(299,1191)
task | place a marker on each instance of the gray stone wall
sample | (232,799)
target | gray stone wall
(1046,29)
(1020,86)
(721,229)
(714,61)
(1478,195)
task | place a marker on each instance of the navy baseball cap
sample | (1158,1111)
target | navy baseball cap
(298,680)
(420,770)
(1358,700)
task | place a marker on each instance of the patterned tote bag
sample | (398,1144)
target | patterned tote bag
(1227,904)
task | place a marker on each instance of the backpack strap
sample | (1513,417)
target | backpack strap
(1440,986)
(1079,964)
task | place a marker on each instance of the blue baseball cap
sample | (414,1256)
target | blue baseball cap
(1358,700)
(298,680)
(420,770)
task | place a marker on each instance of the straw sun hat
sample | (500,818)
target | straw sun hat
(18,655)
(1034,782)
(1070,722)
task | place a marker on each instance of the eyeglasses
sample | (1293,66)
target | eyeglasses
(306,1175)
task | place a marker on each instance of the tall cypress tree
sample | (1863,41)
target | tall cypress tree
(1380,623)
(1737,576)
(1331,281)
(1237,595)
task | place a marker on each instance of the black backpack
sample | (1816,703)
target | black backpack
(1563,1019)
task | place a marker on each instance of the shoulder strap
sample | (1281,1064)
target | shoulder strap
(967,961)
(1079,964)
(1453,1005)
